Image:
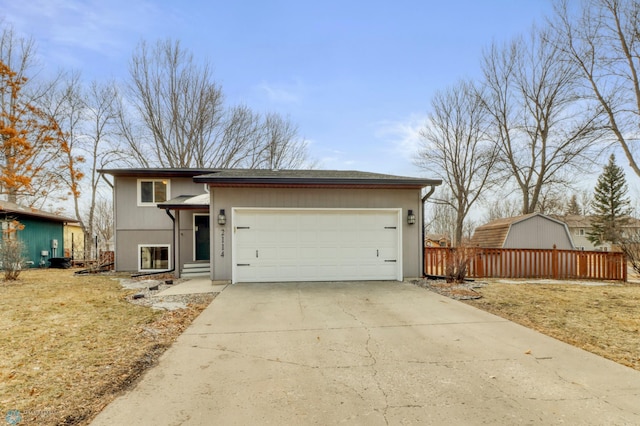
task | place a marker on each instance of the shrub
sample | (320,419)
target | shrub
(630,246)
(12,257)
(12,249)
(457,265)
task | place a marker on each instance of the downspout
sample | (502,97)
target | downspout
(173,263)
(104,178)
(424,200)
(173,219)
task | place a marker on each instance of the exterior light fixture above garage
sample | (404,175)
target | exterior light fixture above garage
(222,219)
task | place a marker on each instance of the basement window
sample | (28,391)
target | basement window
(153,257)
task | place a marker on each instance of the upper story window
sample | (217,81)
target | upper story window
(153,191)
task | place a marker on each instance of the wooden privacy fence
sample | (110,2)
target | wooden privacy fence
(528,263)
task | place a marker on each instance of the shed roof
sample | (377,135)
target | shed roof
(493,234)
(13,208)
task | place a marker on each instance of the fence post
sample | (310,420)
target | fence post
(554,262)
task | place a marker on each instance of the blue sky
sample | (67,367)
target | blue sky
(356,76)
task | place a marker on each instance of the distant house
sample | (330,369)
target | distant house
(579,227)
(43,232)
(535,231)
(73,240)
(437,240)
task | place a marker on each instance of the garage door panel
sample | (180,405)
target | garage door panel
(305,245)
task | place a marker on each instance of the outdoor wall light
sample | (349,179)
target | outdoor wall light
(411,218)
(222,219)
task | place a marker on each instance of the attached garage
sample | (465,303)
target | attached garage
(316,244)
(315,225)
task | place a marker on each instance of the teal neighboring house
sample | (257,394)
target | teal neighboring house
(43,232)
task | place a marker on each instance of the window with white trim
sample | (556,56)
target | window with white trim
(153,191)
(153,257)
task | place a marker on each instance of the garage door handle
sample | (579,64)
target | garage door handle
(390,227)
(243,264)
(390,260)
(256,254)
(377,253)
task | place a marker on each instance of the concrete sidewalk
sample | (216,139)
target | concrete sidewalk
(374,353)
(193,286)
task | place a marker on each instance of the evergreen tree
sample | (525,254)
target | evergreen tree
(610,205)
(573,208)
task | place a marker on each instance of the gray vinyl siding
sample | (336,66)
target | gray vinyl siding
(127,248)
(131,216)
(228,198)
(538,232)
(148,224)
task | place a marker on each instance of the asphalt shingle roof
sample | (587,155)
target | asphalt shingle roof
(7,207)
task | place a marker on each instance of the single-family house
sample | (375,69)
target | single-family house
(579,227)
(269,225)
(42,232)
(437,240)
(73,240)
(534,231)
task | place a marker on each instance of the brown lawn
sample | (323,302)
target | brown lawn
(69,344)
(603,319)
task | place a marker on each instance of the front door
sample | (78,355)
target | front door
(201,237)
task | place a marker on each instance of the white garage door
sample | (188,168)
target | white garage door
(316,245)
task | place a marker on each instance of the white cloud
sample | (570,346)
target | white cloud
(105,27)
(283,92)
(403,136)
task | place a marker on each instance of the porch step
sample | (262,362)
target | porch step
(200,269)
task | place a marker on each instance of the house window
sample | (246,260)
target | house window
(580,231)
(153,257)
(152,191)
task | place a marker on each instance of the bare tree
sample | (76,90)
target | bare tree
(278,145)
(103,221)
(64,103)
(501,207)
(174,116)
(602,40)
(456,149)
(441,218)
(179,106)
(543,129)
(30,139)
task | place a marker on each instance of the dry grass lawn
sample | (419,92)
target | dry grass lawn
(69,344)
(604,320)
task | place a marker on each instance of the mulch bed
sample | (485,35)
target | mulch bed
(457,291)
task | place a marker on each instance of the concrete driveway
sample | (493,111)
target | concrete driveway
(374,353)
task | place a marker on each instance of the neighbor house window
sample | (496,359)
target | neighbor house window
(153,257)
(152,191)
(581,232)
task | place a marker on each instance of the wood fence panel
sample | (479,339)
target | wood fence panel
(531,263)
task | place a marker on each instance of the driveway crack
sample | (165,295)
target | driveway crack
(373,365)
